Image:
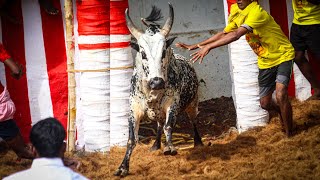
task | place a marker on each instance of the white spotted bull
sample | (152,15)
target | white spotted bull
(162,86)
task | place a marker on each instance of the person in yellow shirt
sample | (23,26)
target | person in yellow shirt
(274,50)
(305,36)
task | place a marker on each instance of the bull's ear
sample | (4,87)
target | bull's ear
(134,46)
(170,41)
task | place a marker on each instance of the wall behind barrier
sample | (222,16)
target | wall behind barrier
(195,21)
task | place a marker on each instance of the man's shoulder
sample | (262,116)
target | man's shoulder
(258,10)
(258,15)
(77,176)
(71,173)
(47,173)
(19,175)
(234,8)
(66,171)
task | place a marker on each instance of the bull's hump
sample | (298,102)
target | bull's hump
(182,77)
(181,73)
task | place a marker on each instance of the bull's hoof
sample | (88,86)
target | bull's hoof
(170,151)
(174,152)
(198,144)
(121,172)
(166,150)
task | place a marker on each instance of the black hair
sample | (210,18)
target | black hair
(155,15)
(47,137)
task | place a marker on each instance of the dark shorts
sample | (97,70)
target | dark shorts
(269,77)
(8,129)
(306,37)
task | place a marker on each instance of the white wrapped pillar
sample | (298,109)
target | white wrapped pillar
(94,64)
(120,74)
(244,72)
(245,80)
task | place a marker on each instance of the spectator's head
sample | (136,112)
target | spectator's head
(47,138)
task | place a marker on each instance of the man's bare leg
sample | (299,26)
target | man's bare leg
(19,147)
(308,73)
(69,162)
(282,106)
(316,88)
(285,107)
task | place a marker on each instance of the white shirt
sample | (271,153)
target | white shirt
(47,169)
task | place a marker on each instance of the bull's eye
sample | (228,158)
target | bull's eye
(143,55)
(163,54)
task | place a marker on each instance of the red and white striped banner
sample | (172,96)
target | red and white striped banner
(101,41)
(39,45)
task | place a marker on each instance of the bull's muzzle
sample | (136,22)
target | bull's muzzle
(156,83)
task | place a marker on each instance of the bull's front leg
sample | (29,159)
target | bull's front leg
(123,169)
(171,118)
(157,144)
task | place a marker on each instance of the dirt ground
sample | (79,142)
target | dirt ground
(260,153)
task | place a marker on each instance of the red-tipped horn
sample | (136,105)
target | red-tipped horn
(132,28)
(168,25)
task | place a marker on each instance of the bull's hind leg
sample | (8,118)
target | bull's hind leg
(157,144)
(196,137)
(192,112)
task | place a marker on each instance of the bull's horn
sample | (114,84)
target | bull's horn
(168,25)
(132,28)
(144,22)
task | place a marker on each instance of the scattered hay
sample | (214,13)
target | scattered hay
(260,153)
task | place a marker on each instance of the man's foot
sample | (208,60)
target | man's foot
(19,147)
(48,7)
(71,163)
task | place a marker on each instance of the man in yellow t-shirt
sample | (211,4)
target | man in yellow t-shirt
(274,50)
(305,36)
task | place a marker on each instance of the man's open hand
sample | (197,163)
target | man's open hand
(17,75)
(204,50)
(186,46)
